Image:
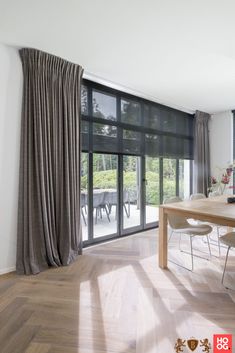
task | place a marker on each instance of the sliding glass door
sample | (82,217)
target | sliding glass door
(169,178)
(184,178)
(152,190)
(84,195)
(121,194)
(132,189)
(105,195)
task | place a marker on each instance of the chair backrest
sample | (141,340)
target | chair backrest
(83,200)
(172,200)
(110,197)
(214,193)
(176,222)
(98,199)
(197,196)
(133,194)
(126,197)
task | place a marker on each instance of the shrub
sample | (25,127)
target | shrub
(108,180)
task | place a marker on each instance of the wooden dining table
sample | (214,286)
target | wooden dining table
(215,210)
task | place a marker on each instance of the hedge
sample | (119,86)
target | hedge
(108,180)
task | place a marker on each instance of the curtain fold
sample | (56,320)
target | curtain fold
(49,228)
(201,170)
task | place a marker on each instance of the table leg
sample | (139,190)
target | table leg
(162,238)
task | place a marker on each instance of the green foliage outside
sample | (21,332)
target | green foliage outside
(107,179)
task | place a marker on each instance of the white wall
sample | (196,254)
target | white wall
(221,141)
(10,112)
(144,46)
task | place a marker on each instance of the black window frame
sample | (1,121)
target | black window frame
(143,130)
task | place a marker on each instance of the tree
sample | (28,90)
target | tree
(84,100)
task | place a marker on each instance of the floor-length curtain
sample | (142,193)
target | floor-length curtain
(201,166)
(49,230)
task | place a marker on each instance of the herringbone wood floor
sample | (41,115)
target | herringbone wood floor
(113,299)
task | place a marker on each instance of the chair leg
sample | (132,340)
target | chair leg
(107,213)
(127,214)
(180,243)
(225,265)
(189,253)
(218,235)
(191,246)
(170,235)
(96,214)
(83,216)
(208,243)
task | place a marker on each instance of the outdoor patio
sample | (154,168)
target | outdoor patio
(104,227)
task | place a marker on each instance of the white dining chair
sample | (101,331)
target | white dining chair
(228,240)
(214,193)
(199,196)
(180,225)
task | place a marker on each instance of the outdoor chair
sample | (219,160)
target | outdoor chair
(99,203)
(111,200)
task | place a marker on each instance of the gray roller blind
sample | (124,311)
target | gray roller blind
(114,122)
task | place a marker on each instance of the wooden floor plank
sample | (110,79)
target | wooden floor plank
(115,299)
(38,348)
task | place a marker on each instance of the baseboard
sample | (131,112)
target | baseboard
(7,270)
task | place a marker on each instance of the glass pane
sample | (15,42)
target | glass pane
(154,121)
(152,145)
(184,179)
(104,138)
(130,112)
(131,142)
(84,100)
(187,149)
(104,194)
(84,129)
(131,191)
(103,105)
(184,125)
(169,178)
(169,121)
(84,195)
(152,195)
(104,130)
(172,147)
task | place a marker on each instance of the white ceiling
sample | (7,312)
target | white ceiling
(181,53)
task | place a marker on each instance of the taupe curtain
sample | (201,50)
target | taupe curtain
(201,170)
(49,230)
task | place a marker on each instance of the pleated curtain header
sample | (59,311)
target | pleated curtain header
(34,59)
